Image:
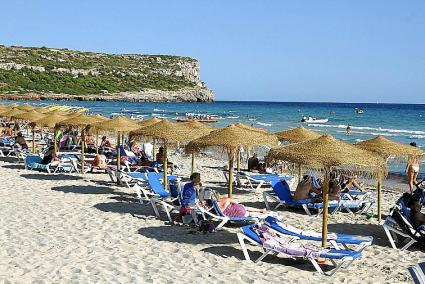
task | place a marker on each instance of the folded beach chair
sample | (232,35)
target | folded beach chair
(418,273)
(259,179)
(283,196)
(399,224)
(336,240)
(272,243)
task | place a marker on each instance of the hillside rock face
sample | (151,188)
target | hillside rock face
(61,74)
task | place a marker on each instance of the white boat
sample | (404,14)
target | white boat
(310,119)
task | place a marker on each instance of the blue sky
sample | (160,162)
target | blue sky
(343,51)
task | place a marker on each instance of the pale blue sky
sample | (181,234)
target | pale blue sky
(345,51)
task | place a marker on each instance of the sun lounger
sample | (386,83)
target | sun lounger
(418,273)
(215,213)
(160,196)
(360,242)
(274,244)
(34,163)
(399,224)
(355,194)
(283,196)
(259,179)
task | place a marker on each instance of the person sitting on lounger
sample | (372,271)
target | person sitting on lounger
(413,202)
(20,140)
(49,156)
(231,208)
(160,158)
(99,161)
(307,188)
(105,142)
(190,191)
(8,132)
(348,183)
(254,164)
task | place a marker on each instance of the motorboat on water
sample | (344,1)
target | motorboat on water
(358,110)
(309,119)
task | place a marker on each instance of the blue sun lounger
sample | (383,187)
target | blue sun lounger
(341,239)
(258,179)
(339,258)
(283,196)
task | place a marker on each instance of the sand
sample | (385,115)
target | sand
(67,229)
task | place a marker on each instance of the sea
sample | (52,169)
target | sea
(400,122)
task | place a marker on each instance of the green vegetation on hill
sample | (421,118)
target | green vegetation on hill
(113,73)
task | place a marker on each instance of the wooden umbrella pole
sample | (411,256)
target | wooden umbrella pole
(193,163)
(230,154)
(118,152)
(153,149)
(165,167)
(379,187)
(238,165)
(97,141)
(300,170)
(82,151)
(33,140)
(54,141)
(325,207)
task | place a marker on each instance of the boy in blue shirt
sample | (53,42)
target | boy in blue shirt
(190,190)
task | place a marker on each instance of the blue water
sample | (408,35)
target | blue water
(400,122)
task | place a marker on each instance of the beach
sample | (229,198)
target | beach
(65,228)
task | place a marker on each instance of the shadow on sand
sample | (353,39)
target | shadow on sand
(83,189)
(14,166)
(51,176)
(134,209)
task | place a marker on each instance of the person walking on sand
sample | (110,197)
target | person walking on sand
(412,170)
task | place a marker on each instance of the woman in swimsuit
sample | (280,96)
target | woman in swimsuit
(412,170)
(231,208)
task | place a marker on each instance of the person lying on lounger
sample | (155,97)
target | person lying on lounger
(231,208)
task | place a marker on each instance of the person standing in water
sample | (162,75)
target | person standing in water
(348,130)
(412,170)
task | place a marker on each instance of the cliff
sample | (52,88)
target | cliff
(62,74)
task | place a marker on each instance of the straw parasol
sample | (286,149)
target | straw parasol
(197,129)
(81,121)
(50,121)
(387,148)
(326,153)
(119,124)
(148,122)
(30,116)
(232,138)
(295,135)
(299,134)
(11,112)
(168,132)
(26,107)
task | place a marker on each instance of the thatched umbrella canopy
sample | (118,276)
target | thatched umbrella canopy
(148,122)
(26,107)
(299,134)
(327,153)
(252,128)
(387,148)
(11,112)
(30,116)
(80,121)
(43,109)
(61,112)
(168,132)
(197,129)
(50,121)
(100,117)
(232,138)
(118,124)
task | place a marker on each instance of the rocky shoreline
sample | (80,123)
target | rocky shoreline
(188,94)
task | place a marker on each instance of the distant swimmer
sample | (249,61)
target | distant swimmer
(348,130)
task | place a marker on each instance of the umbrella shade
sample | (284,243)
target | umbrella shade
(298,134)
(11,112)
(117,124)
(26,107)
(328,152)
(232,137)
(148,122)
(49,120)
(80,120)
(31,116)
(165,130)
(386,147)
